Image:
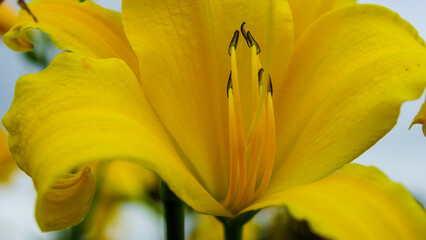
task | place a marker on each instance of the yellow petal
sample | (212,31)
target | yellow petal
(82,27)
(357,202)
(8,17)
(421,118)
(80,110)
(182,49)
(7,165)
(349,75)
(306,12)
(66,202)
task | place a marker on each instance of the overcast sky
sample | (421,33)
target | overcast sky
(401,154)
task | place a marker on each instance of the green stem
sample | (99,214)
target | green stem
(234,226)
(76,232)
(232,231)
(174,214)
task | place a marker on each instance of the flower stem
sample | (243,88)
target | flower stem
(174,214)
(233,231)
(234,226)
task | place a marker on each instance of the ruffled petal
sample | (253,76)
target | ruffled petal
(7,165)
(66,202)
(348,78)
(357,202)
(82,27)
(82,110)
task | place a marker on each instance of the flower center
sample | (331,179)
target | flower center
(252,152)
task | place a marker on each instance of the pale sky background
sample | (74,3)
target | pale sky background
(401,154)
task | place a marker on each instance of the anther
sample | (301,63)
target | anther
(271,90)
(234,41)
(259,76)
(249,38)
(253,42)
(243,31)
(229,85)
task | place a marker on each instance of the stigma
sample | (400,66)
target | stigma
(252,151)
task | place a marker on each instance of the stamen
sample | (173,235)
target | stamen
(229,85)
(249,38)
(236,131)
(253,42)
(255,65)
(233,181)
(243,31)
(257,112)
(259,76)
(256,150)
(269,153)
(234,42)
(270,89)
(252,153)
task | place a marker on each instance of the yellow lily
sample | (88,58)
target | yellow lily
(156,89)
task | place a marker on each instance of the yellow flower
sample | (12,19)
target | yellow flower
(156,89)
(8,17)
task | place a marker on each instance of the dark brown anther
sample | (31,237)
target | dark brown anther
(245,35)
(229,85)
(259,76)
(271,90)
(234,41)
(253,42)
(243,31)
(249,38)
(24,6)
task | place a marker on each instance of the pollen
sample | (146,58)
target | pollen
(252,152)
